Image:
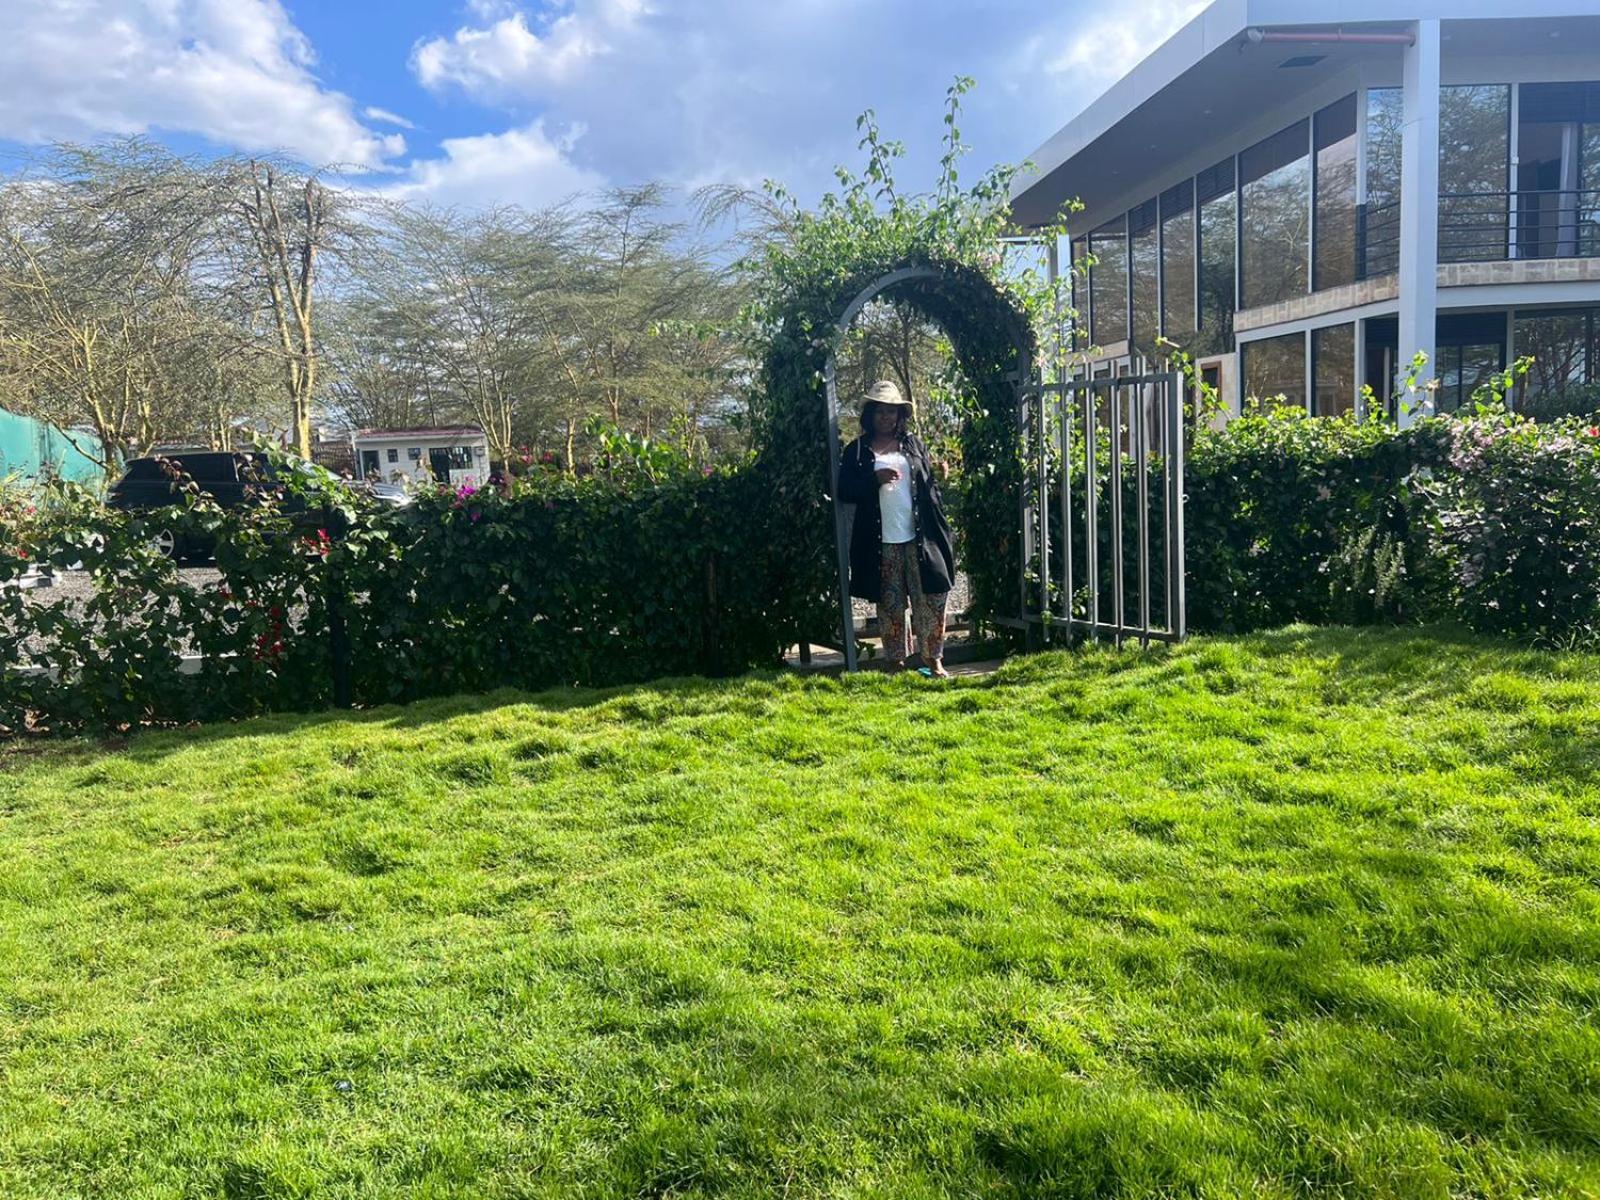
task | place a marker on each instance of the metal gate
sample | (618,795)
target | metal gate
(1104,486)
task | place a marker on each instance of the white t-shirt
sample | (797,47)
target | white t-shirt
(894,500)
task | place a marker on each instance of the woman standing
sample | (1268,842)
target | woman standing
(900,543)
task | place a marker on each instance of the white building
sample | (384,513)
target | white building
(1303,193)
(457,455)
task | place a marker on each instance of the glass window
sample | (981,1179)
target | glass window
(1274,372)
(1144,249)
(1335,133)
(1471,350)
(1463,369)
(1076,249)
(1558,168)
(1380,217)
(1275,218)
(1108,283)
(1559,344)
(1474,150)
(1177,263)
(1333,369)
(1219,228)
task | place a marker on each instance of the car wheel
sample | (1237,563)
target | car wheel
(165,543)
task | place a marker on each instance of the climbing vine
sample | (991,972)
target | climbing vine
(987,306)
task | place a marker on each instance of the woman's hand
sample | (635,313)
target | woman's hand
(887,475)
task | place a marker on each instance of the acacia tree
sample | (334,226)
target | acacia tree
(106,306)
(295,228)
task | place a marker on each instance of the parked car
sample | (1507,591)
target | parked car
(227,477)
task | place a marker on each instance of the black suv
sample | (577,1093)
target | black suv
(147,484)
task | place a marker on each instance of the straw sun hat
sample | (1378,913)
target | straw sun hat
(885,392)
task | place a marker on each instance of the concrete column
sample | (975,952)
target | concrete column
(1419,206)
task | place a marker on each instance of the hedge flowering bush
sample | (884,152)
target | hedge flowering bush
(1518,518)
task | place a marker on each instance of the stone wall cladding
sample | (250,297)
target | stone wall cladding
(1351,295)
(1387,287)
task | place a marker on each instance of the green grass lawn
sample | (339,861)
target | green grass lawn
(1305,914)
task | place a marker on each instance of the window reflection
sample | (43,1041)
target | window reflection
(1335,132)
(1274,371)
(1559,343)
(1380,221)
(1333,370)
(1558,170)
(1275,194)
(1108,283)
(1219,215)
(1474,150)
(1145,266)
(1177,263)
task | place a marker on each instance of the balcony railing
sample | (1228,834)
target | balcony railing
(1488,227)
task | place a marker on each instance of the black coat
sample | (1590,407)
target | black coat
(858,485)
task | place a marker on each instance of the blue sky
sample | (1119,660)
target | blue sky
(481,102)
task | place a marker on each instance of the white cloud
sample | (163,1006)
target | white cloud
(519,166)
(1107,46)
(382,115)
(507,58)
(238,72)
(698,90)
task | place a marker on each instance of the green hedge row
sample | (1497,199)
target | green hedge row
(1490,520)
(564,582)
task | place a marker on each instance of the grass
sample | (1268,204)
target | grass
(1305,914)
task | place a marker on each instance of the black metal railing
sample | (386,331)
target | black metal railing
(1488,227)
(1557,224)
(1377,239)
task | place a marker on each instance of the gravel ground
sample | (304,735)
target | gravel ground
(956,604)
(74,588)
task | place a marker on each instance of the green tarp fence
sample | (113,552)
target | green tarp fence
(30,448)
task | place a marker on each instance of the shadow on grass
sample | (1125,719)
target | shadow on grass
(1424,665)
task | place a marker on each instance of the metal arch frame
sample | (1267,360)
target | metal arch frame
(830,377)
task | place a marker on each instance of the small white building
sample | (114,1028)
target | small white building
(457,455)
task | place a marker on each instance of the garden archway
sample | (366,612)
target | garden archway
(995,349)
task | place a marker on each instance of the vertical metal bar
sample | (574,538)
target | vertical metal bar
(841,531)
(1177,617)
(1065,413)
(1118,611)
(1142,478)
(1042,500)
(1024,512)
(1091,423)
(1513,158)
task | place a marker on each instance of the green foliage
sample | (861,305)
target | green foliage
(1305,914)
(803,282)
(1519,517)
(1489,518)
(1295,518)
(114,661)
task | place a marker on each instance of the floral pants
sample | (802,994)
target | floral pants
(901,578)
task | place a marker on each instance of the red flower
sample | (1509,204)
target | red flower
(1594,431)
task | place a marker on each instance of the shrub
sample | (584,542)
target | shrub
(1518,519)
(1295,518)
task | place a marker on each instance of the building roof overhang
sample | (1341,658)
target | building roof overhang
(1210,78)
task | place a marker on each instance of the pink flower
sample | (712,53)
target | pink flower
(465,490)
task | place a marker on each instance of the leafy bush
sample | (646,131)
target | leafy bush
(1519,522)
(1295,518)
(1490,518)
